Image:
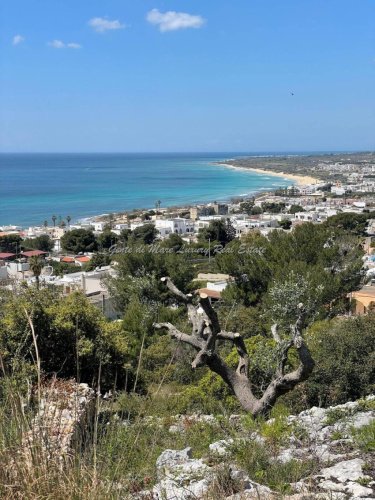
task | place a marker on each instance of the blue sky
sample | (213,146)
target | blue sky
(179,75)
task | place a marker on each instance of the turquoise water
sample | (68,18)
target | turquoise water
(33,187)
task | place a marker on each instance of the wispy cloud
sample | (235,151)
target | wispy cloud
(17,39)
(172,21)
(101,24)
(58,44)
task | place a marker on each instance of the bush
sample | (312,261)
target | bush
(344,352)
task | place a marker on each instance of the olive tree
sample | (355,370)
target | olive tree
(292,305)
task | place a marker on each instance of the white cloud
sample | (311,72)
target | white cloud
(101,25)
(58,44)
(17,39)
(172,21)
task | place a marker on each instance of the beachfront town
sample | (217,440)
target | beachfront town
(39,253)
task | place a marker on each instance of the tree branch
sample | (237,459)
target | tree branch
(176,334)
(236,338)
(187,299)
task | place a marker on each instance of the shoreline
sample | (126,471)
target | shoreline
(296,179)
(300,180)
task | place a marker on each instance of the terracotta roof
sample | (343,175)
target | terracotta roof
(83,259)
(5,255)
(67,259)
(33,253)
(213,294)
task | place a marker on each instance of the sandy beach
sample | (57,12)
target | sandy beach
(301,180)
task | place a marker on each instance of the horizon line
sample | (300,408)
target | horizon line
(317,151)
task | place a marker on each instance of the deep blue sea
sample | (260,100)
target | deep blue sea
(33,187)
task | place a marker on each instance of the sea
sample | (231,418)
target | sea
(34,187)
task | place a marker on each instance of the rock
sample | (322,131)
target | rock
(349,470)
(220,448)
(358,490)
(332,496)
(256,492)
(173,457)
(361,419)
(64,406)
(168,489)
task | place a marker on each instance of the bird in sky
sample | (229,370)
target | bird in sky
(292,93)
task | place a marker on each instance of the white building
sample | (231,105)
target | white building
(243,226)
(177,225)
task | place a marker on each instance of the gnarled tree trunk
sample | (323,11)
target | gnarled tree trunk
(206,331)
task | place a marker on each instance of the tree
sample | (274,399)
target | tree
(68,219)
(218,230)
(273,208)
(36,266)
(10,243)
(246,207)
(285,224)
(54,218)
(174,241)
(146,234)
(207,333)
(79,240)
(256,210)
(42,242)
(354,223)
(74,339)
(296,208)
(107,239)
(98,260)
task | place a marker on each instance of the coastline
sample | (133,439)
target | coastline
(260,192)
(300,180)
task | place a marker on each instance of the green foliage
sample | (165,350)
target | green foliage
(285,298)
(295,208)
(285,224)
(246,207)
(336,414)
(261,467)
(139,272)
(212,395)
(98,260)
(78,240)
(220,231)
(343,350)
(73,337)
(145,234)
(364,437)
(106,239)
(349,222)
(273,208)
(61,268)
(248,321)
(322,256)
(174,241)
(42,242)
(10,243)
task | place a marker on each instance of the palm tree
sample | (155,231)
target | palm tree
(54,220)
(68,219)
(36,266)
(157,206)
(45,223)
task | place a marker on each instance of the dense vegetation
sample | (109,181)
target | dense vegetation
(150,374)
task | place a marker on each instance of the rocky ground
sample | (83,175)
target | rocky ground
(336,443)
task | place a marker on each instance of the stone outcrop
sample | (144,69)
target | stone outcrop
(63,409)
(342,470)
